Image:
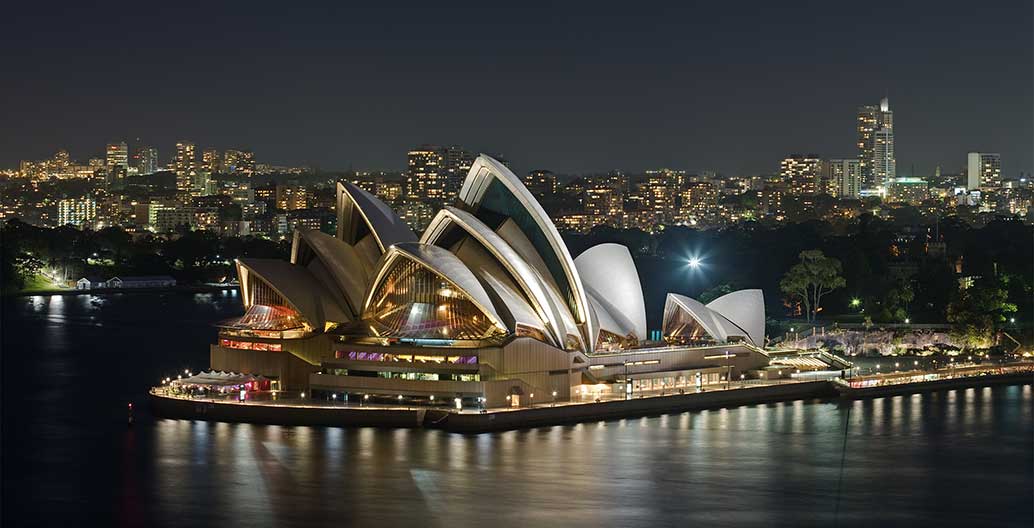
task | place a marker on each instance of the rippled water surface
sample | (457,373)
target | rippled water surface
(71,365)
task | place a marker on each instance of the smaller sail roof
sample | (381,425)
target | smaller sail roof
(298,287)
(745,309)
(717,326)
(386,226)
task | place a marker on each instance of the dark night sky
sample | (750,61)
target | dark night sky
(730,86)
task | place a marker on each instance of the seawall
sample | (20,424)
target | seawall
(497,420)
(935,385)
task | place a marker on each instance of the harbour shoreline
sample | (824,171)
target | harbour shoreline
(493,420)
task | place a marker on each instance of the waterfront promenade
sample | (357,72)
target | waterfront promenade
(292,409)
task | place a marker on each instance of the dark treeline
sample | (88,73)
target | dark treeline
(892,275)
(66,253)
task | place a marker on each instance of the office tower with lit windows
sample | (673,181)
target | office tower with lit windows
(876,160)
(146,159)
(983,170)
(541,182)
(185,165)
(802,174)
(842,178)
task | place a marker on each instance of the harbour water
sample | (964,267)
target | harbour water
(72,364)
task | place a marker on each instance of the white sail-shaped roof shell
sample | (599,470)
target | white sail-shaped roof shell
(341,261)
(745,309)
(609,273)
(717,326)
(385,226)
(486,170)
(298,287)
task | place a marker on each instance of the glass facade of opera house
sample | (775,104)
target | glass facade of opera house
(487,306)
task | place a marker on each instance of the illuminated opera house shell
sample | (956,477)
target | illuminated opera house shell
(488,268)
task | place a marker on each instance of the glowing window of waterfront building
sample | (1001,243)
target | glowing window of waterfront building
(250,345)
(406,358)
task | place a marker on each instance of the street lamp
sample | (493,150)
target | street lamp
(694,262)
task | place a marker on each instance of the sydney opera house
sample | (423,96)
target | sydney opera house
(487,306)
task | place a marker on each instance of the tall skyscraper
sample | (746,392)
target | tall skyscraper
(185,165)
(875,127)
(983,170)
(843,178)
(146,160)
(884,167)
(802,174)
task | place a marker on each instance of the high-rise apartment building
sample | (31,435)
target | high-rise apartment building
(76,211)
(802,174)
(146,160)
(659,194)
(876,161)
(211,161)
(239,161)
(983,170)
(842,178)
(425,173)
(185,164)
(698,202)
(541,182)
(436,173)
(605,203)
(884,164)
(457,165)
(292,197)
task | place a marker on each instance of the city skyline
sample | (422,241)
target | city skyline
(596,92)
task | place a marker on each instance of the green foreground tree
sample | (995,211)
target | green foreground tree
(812,278)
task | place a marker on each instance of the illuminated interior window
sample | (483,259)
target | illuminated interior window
(414,302)
(528,331)
(683,329)
(268,310)
(611,341)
